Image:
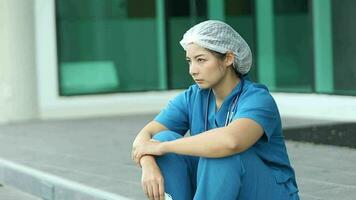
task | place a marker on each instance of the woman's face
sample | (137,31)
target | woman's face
(206,69)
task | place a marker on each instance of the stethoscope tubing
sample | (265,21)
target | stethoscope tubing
(230,111)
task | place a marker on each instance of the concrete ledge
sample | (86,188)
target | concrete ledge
(47,186)
(338,134)
(317,106)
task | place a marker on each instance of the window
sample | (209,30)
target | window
(240,14)
(344,46)
(293,46)
(181,15)
(106,46)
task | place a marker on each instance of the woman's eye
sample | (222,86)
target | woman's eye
(200,60)
(188,61)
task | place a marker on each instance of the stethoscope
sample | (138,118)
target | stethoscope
(230,111)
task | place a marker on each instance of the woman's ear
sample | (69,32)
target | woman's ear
(229,58)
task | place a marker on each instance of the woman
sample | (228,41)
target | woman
(236,149)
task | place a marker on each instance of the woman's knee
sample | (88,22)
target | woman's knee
(166,135)
(229,164)
(236,163)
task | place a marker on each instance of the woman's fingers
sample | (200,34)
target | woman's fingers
(134,153)
(137,159)
(154,188)
(153,182)
(150,192)
(144,187)
(157,190)
(136,156)
(161,189)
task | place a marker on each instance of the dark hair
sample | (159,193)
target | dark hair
(222,56)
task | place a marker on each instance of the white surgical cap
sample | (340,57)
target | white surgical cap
(220,37)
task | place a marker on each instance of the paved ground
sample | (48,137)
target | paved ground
(9,193)
(96,152)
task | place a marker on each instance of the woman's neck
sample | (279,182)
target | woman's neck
(224,88)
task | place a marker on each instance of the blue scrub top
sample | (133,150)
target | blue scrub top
(187,112)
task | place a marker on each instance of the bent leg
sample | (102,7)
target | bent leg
(242,176)
(219,178)
(179,171)
(259,181)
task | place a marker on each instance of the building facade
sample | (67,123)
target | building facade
(80,58)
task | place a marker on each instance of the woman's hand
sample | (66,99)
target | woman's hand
(152,181)
(151,147)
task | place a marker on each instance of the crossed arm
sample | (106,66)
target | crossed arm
(220,142)
(236,137)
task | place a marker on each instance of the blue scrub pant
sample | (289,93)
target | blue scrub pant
(241,176)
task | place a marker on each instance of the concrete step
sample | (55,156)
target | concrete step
(47,186)
(10,193)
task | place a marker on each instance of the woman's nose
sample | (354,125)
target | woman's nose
(193,69)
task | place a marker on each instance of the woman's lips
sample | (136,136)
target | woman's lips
(198,80)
